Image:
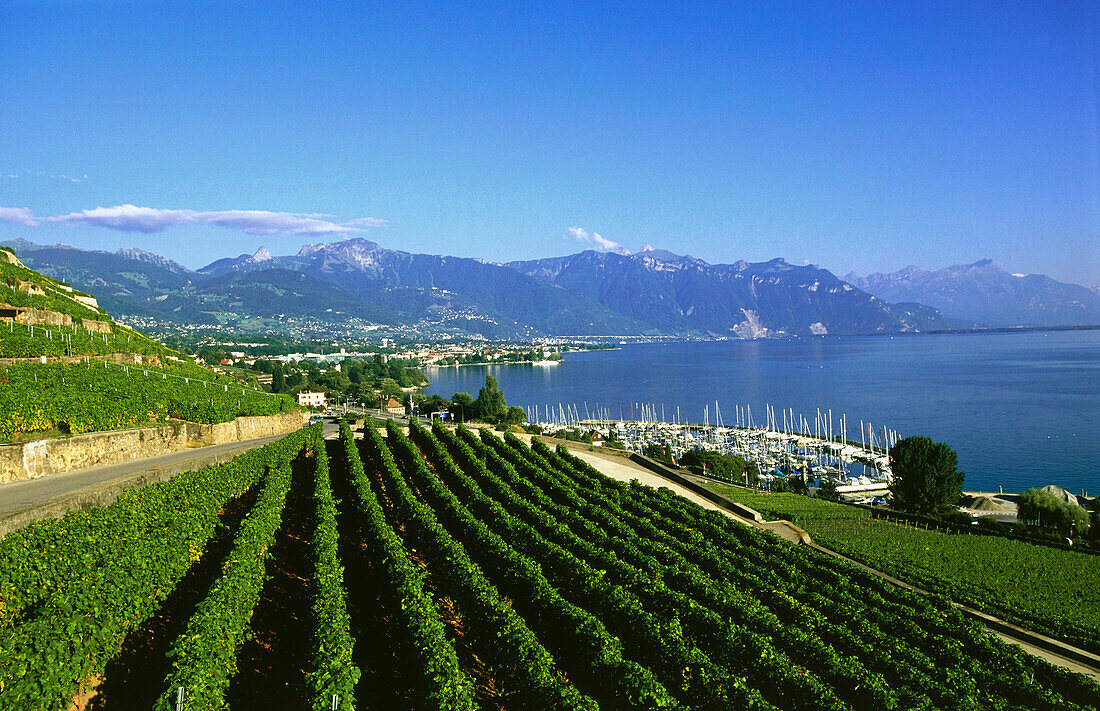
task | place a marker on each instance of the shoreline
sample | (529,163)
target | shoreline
(503,362)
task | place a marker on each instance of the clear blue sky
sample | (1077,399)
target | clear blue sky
(858,136)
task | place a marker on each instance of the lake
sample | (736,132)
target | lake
(1021,409)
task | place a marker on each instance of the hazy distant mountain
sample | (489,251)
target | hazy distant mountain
(591,293)
(495,299)
(246,262)
(273,292)
(673,292)
(141,255)
(985,293)
(125,282)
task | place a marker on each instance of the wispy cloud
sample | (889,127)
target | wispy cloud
(596,239)
(132,218)
(52,176)
(367,222)
(18,216)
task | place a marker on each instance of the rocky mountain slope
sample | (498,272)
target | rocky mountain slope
(591,293)
(985,293)
(774,298)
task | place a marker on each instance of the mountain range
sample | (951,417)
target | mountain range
(651,293)
(985,293)
(680,293)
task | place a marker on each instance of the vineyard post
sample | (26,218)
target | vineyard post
(179,699)
(335,702)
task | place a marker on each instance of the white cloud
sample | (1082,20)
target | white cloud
(367,222)
(132,218)
(18,216)
(595,238)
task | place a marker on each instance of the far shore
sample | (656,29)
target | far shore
(495,362)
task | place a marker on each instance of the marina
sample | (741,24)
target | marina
(1020,409)
(785,445)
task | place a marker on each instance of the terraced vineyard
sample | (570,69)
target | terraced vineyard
(18,340)
(443,570)
(96,396)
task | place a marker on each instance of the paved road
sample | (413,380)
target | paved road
(14,495)
(20,494)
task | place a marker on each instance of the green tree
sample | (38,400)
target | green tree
(512,416)
(490,401)
(1043,510)
(730,467)
(828,491)
(927,480)
(278,381)
(659,452)
(462,407)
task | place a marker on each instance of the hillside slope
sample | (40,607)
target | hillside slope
(99,375)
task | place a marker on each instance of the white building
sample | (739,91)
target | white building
(311,399)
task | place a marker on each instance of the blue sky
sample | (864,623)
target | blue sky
(857,136)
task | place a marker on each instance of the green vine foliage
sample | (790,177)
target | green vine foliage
(73,588)
(333,672)
(94,396)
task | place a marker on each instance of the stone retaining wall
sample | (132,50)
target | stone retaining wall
(119,358)
(32,460)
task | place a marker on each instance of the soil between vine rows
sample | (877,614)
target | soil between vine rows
(272,663)
(135,677)
(382,684)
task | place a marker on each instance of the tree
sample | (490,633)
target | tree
(659,452)
(927,480)
(1043,510)
(828,491)
(462,407)
(490,401)
(512,416)
(278,381)
(730,467)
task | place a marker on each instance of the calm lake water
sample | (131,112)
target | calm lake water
(1021,409)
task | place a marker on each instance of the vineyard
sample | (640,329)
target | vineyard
(18,340)
(54,297)
(96,396)
(1041,588)
(447,570)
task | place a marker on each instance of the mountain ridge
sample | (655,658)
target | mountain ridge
(985,293)
(653,292)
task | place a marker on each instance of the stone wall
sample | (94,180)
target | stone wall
(37,317)
(120,358)
(96,326)
(32,460)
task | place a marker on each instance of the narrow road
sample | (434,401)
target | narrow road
(17,494)
(23,502)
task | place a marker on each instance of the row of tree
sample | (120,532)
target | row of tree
(489,406)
